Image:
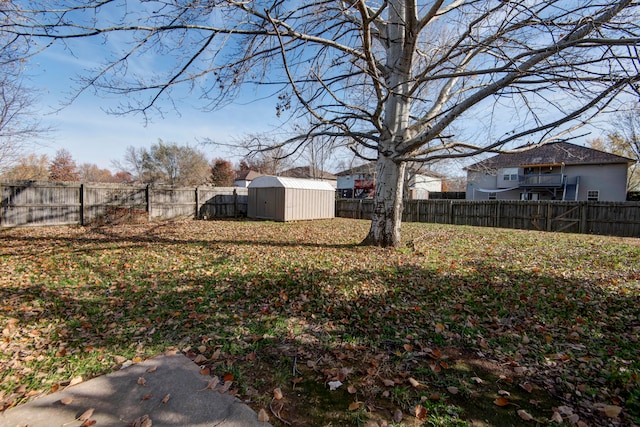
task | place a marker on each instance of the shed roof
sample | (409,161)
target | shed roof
(268,181)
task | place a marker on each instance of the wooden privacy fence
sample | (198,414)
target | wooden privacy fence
(52,203)
(606,218)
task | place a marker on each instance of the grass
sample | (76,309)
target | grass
(446,322)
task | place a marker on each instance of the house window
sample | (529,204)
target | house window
(510,177)
(493,196)
(593,195)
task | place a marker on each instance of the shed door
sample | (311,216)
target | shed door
(265,203)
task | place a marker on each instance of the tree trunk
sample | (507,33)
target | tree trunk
(388,204)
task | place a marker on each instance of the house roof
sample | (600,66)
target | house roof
(247,175)
(268,181)
(550,154)
(307,172)
(370,168)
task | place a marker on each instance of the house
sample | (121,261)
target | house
(310,172)
(359,182)
(244,178)
(553,171)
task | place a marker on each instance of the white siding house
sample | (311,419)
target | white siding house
(554,171)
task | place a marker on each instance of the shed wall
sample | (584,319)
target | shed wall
(290,204)
(303,204)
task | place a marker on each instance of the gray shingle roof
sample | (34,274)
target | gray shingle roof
(370,168)
(307,172)
(552,153)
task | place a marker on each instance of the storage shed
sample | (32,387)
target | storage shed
(290,199)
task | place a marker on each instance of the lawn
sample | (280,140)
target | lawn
(461,326)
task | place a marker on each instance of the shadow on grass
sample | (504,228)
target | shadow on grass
(362,326)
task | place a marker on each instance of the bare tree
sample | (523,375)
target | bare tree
(28,168)
(403,80)
(90,172)
(265,155)
(19,126)
(624,140)
(165,163)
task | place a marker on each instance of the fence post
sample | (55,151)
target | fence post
(235,203)
(549,216)
(450,213)
(82,203)
(196,215)
(147,195)
(583,217)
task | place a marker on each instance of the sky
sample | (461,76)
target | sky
(92,135)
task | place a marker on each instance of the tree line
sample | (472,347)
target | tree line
(162,163)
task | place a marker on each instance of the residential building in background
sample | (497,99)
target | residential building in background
(554,171)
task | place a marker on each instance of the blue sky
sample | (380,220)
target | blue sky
(92,135)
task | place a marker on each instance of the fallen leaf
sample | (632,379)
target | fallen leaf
(86,414)
(88,423)
(388,383)
(355,405)
(397,415)
(524,415)
(334,385)
(205,371)
(526,386)
(119,359)
(227,377)
(453,390)
(557,418)
(143,421)
(408,347)
(504,393)
(351,389)
(501,401)
(263,417)
(152,369)
(74,381)
(225,387)
(477,380)
(146,396)
(212,384)
(414,382)
(420,412)
(141,381)
(166,398)
(612,411)
(66,400)
(277,394)
(200,359)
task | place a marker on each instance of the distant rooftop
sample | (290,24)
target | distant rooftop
(307,172)
(550,154)
(247,175)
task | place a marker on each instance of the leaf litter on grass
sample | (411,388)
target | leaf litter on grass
(532,314)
